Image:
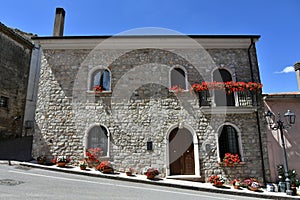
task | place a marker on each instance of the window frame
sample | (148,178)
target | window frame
(91,75)
(185,77)
(239,140)
(86,141)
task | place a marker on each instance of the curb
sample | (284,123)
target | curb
(154,182)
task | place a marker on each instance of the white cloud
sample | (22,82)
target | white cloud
(288,69)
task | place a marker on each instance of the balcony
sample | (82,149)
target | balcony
(240,101)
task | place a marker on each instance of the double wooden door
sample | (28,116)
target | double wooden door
(181,152)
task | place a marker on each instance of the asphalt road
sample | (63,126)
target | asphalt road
(17,182)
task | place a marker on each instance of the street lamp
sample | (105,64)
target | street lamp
(290,119)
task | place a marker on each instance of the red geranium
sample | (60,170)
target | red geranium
(231,159)
(229,86)
(97,88)
(93,154)
(104,165)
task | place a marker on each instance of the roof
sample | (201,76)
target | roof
(282,95)
(147,41)
(147,36)
(16,35)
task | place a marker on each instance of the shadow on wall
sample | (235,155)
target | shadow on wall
(18,149)
(40,145)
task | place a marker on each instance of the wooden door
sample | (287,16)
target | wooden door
(181,152)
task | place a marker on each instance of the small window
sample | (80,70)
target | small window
(228,141)
(3,102)
(98,137)
(178,78)
(101,80)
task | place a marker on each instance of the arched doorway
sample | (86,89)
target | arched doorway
(181,152)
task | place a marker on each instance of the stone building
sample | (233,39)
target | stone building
(15,58)
(135,116)
(19,67)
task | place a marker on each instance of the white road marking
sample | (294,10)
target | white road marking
(117,185)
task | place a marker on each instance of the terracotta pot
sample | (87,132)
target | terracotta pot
(219,184)
(128,173)
(107,170)
(150,176)
(61,164)
(253,188)
(82,167)
(236,187)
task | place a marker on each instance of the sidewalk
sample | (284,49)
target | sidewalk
(163,182)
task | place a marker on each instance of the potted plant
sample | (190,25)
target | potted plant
(129,171)
(236,183)
(105,167)
(217,180)
(41,160)
(97,89)
(150,172)
(61,161)
(92,155)
(252,184)
(82,165)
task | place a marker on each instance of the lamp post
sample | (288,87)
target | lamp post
(290,119)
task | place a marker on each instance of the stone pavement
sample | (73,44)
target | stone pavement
(161,181)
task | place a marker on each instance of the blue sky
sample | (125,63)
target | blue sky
(277,21)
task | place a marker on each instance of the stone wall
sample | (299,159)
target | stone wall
(15,53)
(66,110)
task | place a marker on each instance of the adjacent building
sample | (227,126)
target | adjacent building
(15,58)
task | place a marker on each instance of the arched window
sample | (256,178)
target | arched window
(101,77)
(178,78)
(222,98)
(98,137)
(228,141)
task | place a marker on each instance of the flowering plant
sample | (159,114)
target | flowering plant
(217,179)
(83,164)
(104,165)
(129,169)
(93,154)
(176,89)
(229,86)
(41,159)
(59,159)
(230,159)
(150,171)
(97,88)
(251,183)
(235,182)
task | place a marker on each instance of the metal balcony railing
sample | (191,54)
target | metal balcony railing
(238,99)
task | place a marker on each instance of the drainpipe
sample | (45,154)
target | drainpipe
(257,114)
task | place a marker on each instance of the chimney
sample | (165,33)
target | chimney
(59,22)
(297,69)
